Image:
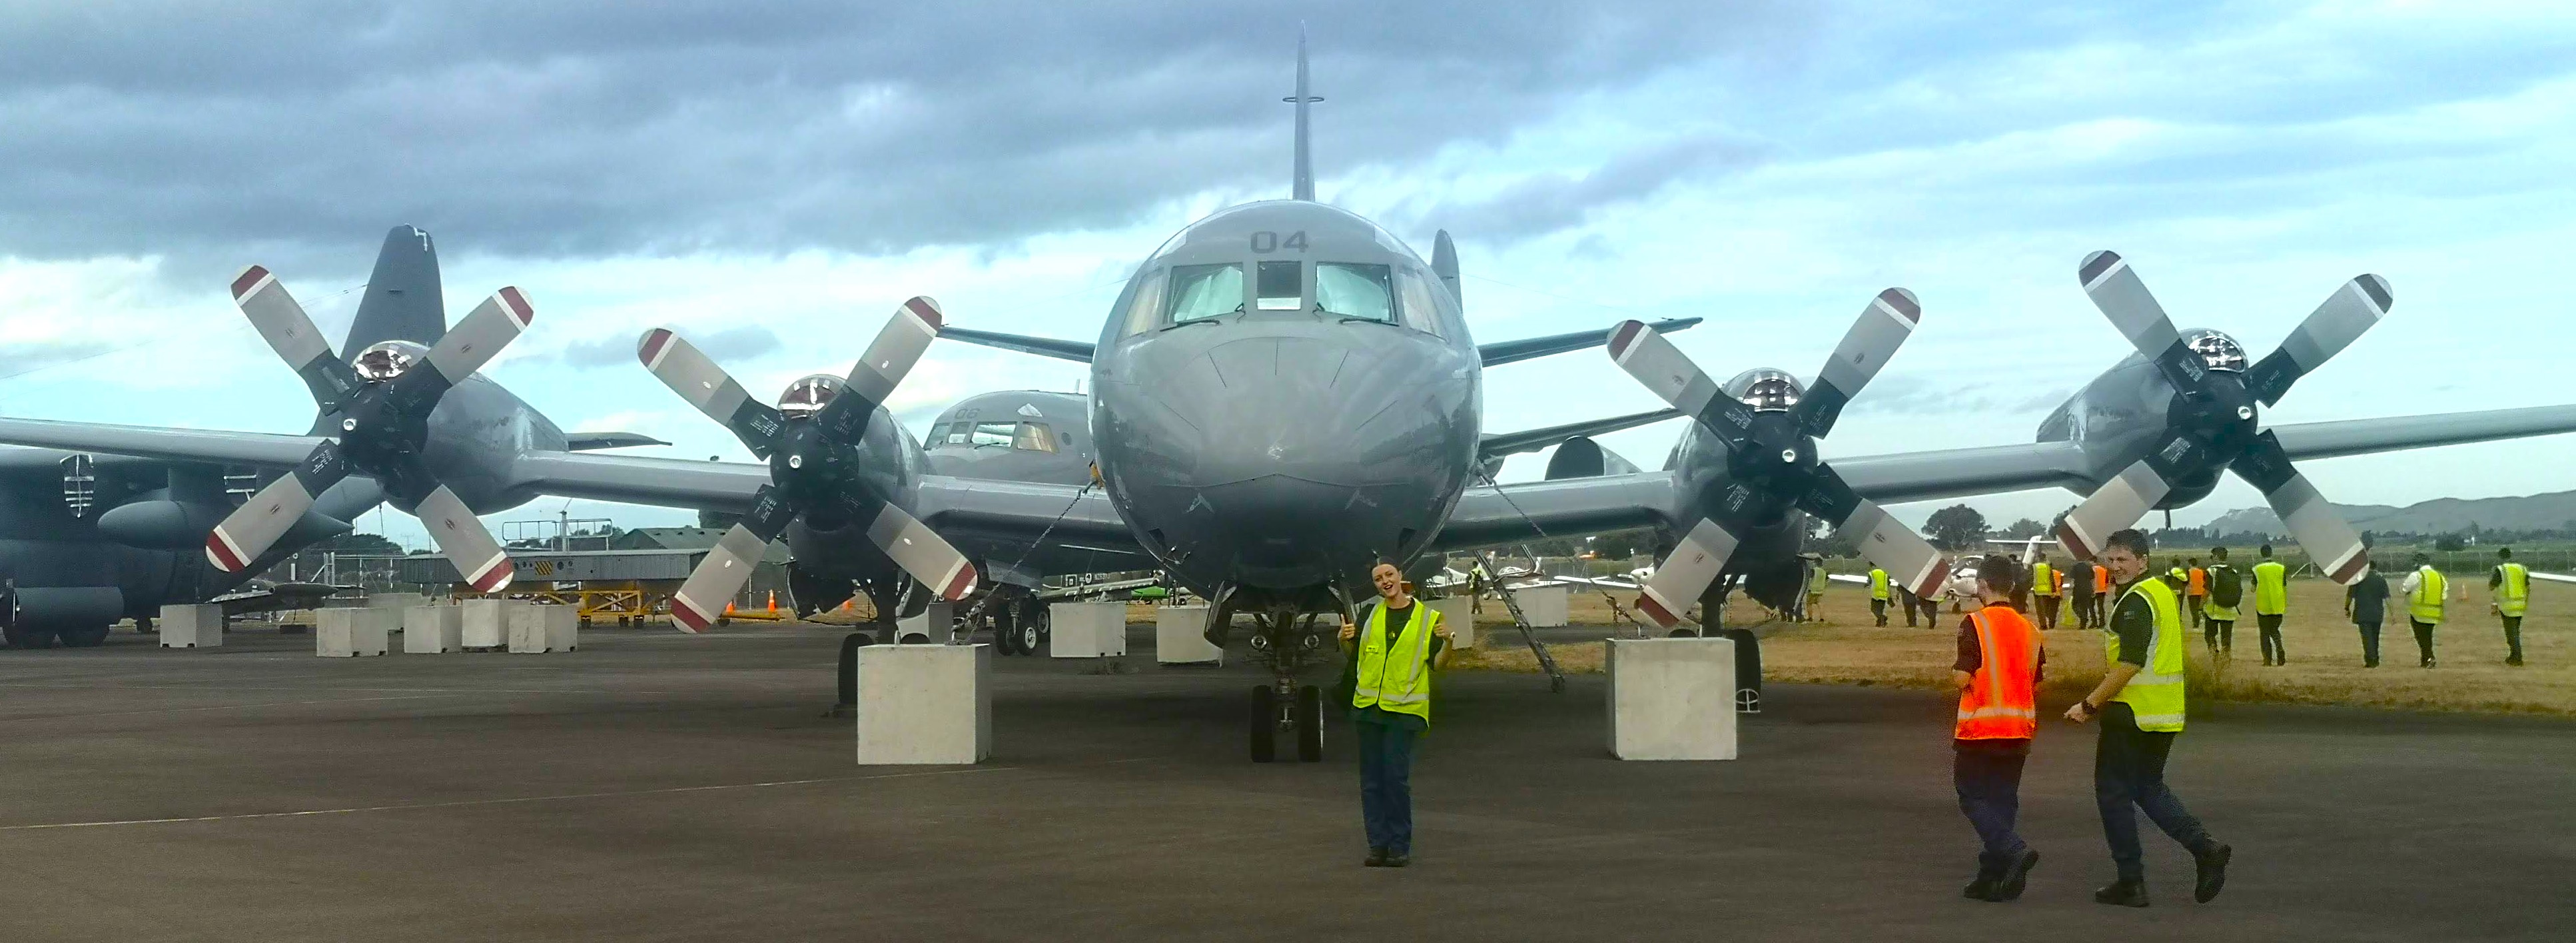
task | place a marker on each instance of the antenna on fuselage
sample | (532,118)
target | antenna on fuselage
(1303,187)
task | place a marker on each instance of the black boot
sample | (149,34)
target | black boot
(1989,873)
(2016,877)
(1376,858)
(2126,892)
(2210,867)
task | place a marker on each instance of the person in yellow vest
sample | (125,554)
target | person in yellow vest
(2046,589)
(2140,704)
(2196,592)
(2271,601)
(1813,609)
(1879,596)
(2425,589)
(2226,591)
(2510,589)
(1395,646)
(1997,672)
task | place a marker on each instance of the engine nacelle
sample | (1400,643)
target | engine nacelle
(1581,457)
(59,607)
(161,524)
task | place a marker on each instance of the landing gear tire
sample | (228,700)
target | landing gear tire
(84,637)
(29,638)
(1265,723)
(1681,633)
(1006,635)
(1310,724)
(1032,627)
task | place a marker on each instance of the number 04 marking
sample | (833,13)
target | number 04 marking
(1266,242)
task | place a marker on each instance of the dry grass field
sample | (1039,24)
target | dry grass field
(2325,654)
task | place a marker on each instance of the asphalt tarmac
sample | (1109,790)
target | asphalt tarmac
(655,786)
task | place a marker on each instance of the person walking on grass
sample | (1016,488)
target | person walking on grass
(1393,649)
(1878,594)
(2366,603)
(2140,704)
(2226,592)
(2425,590)
(2079,591)
(2509,586)
(1813,609)
(2047,587)
(1997,673)
(2271,601)
(2196,592)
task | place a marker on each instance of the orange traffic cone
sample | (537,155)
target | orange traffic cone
(846,603)
(728,607)
(773,602)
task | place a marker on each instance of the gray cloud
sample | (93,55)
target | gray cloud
(21,359)
(1556,201)
(582,127)
(729,347)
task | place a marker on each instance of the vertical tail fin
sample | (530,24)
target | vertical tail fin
(402,300)
(1444,263)
(1303,186)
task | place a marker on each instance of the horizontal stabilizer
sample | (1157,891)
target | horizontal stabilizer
(1076,351)
(1504,352)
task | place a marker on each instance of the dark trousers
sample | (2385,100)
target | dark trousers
(1905,603)
(1988,776)
(2221,634)
(1931,612)
(2193,603)
(2048,612)
(2423,640)
(2084,610)
(1878,611)
(2513,640)
(2273,652)
(2129,770)
(2369,642)
(1386,784)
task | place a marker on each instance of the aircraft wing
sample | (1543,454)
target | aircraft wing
(2553,577)
(1022,510)
(2363,436)
(586,441)
(1953,473)
(187,445)
(1076,351)
(1532,440)
(1492,515)
(1847,578)
(671,482)
(1503,352)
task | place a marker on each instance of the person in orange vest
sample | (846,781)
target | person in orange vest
(2101,594)
(1997,673)
(2195,590)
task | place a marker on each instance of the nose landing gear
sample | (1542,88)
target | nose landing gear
(1285,640)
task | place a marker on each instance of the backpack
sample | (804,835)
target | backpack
(2226,587)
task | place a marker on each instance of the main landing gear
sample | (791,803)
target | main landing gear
(1285,640)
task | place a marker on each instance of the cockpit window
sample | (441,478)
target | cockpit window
(1206,291)
(1145,310)
(1421,306)
(1280,287)
(1352,290)
(1034,437)
(1023,436)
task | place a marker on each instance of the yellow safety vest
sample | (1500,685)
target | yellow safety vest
(2155,693)
(1817,581)
(2513,595)
(2271,596)
(1877,583)
(2043,581)
(1402,684)
(2426,605)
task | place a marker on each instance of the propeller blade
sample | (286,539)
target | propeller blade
(2330,542)
(2335,324)
(1909,560)
(729,563)
(706,386)
(251,529)
(1882,328)
(1670,374)
(466,347)
(2115,289)
(921,552)
(462,538)
(286,328)
(1679,580)
(874,377)
(2127,497)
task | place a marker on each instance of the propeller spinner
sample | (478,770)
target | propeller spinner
(383,428)
(1772,464)
(811,443)
(2212,421)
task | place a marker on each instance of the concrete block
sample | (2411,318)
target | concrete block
(1180,636)
(1087,629)
(433,630)
(1671,698)
(1457,613)
(925,704)
(931,626)
(354,632)
(192,626)
(536,629)
(1544,606)
(486,625)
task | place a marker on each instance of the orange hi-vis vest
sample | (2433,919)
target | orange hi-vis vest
(2000,703)
(2199,582)
(2101,578)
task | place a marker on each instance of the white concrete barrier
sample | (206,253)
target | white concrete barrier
(1671,698)
(200,626)
(1087,629)
(352,632)
(536,629)
(1180,636)
(1544,606)
(1457,613)
(932,625)
(925,704)
(486,624)
(433,630)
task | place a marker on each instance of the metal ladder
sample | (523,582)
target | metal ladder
(1546,662)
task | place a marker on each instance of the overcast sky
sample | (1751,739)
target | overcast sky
(774,177)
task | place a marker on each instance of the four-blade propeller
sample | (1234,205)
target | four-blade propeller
(2211,421)
(1772,461)
(383,427)
(814,465)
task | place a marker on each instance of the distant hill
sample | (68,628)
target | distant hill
(2552,511)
